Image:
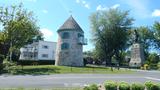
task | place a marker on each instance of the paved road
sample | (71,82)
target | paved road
(74,80)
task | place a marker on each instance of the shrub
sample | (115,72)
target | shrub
(148,85)
(137,86)
(91,87)
(124,86)
(110,85)
(1,63)
(9,67)
(158,65)
(86,88)
(155,87)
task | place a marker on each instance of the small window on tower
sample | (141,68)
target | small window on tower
(65,46)
(80,35)
(65,35)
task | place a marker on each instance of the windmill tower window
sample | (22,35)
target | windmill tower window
(80,35)
(65,35)
(65,46)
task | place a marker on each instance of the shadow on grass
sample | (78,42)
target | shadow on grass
(97,67)
(37,71)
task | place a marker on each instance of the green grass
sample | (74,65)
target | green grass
(76,88)
(51,69)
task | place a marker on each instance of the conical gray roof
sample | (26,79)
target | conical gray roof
(70,24)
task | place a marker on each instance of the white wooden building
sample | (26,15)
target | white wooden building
(42,50)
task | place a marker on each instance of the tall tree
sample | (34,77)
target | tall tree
(110,34)
(19,28)
(156,28)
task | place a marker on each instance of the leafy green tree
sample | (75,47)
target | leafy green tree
(19,28)
(153,60)
(109,30)
(146,37)
(156,28)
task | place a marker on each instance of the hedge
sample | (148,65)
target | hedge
(112,85)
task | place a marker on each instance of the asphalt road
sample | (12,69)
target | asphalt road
(73,80)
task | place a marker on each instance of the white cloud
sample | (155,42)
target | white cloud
(83,3)
(87,6)
(32,0)
(47,33)
(139,7)
(115,6)
(100,7)
(156,13)
(77,1)
(44,11)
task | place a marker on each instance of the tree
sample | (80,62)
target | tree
(156,28)
(110,34)
(153,60)
(19,29)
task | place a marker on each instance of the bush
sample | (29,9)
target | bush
(155,87)
(9,67)
(110,85)
(124,86)
(91,87)
(86,88)
(158,65)
(1,62)
(137,86)
(148,85)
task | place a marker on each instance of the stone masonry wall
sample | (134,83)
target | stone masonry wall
(72,56)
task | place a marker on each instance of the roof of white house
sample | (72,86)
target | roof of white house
(70,24)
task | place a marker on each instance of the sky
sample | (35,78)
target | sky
(51,14)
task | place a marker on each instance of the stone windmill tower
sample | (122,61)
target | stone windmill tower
(70,43)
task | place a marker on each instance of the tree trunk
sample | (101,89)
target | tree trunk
(10,56)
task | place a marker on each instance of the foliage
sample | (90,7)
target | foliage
(109,30)
(88,57)
(110,85)
(146,37)
(86,88)
(156,28)
(124,86)
(149,84)
(137,86)
(155,87)
(91,87)
(9,67)
(19,28)
(158,65)
(153,59)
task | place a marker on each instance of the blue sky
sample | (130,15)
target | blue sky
(51,14)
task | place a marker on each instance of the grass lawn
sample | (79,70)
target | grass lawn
(51,69)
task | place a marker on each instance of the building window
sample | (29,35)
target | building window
(80,35)
(45,46)
(45,55)
(65,35)
(25,54)
(65,46)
